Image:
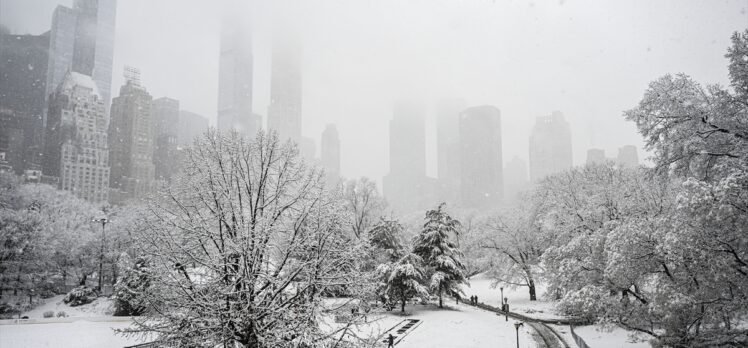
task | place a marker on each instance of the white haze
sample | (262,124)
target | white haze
(588,59)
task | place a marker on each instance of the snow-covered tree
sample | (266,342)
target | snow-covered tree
(440,254)
(699,137)
(402,279)
(365,204)
(242,245)
(516,244)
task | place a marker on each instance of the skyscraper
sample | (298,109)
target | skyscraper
(191,126)
(131,140)
(23,72)
(330,154)
(480,157)
(448,148)
(165,113)
(628,157)
(550,146)
(284,111)
(235,76)
(82,41)
(595,156)
(515,178)
(76,154)
(405,185)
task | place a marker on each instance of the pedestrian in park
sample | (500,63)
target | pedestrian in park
(390,341)
(476,300)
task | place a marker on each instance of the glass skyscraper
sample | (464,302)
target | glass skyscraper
(82,41)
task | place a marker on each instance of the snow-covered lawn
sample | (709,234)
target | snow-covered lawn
(596,336)
(78,334)
(518,298)
(89,325)
(102,306)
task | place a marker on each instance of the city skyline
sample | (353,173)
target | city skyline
(596,119)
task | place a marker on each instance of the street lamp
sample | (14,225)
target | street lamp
(103,222)
(505,308)
(516,328)
(501,299)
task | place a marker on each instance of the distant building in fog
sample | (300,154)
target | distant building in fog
(235,77)
(131,141)
(405,185)
(76,155)
(330,154)
(82,41)
(480,157)
(284,111)
(550,146)
(596,156)
(515,178)
(628,157)
(165,124)
(448,148)
(191,126)
(12,140)
(23,81)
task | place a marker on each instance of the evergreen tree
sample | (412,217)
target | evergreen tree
(440,255)
(402,279)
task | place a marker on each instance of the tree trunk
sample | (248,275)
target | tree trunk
(440,296)
(402,302)
(531,285)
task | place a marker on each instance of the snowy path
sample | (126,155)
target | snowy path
(460,327)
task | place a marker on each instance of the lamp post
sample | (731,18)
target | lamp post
(103,222)
(516,328)
(501,299)
(505,308)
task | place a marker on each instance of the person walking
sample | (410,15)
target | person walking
(390,341)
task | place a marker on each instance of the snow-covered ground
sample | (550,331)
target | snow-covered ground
(596,336)
(85,326)
(102,306)
(78,334)
(519,301)
(518,298)
(455,326)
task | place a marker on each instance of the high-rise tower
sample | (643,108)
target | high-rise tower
(82,41)
(330,154)
(448,148)
(235,76)
(77,155)
(480,157)
(165,124)
(284,111)
(405,185)
(550,146)
(131,139)
(23,76)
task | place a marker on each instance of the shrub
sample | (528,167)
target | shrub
(128,291)
(49,314)
(62,314)
(80,296)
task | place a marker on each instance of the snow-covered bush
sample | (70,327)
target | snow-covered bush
(48,314)
(80,296)
(130,289)
(62,314)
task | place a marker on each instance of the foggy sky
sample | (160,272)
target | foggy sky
(589,59)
